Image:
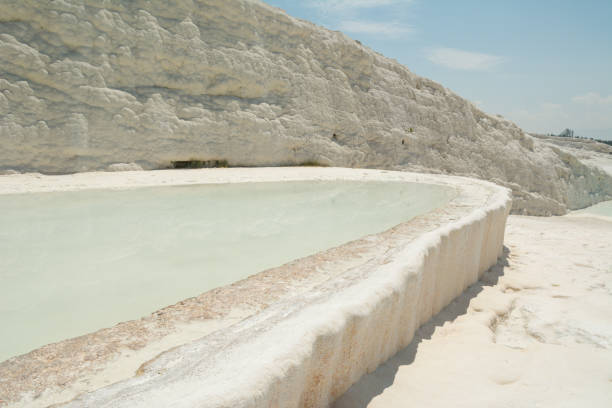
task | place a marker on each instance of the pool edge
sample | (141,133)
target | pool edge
(482,226)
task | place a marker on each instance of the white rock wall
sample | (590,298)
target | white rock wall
(85,84)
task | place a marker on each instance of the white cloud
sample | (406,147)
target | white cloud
(593,98)
(359,16)
(370,27)
(347,5)
(548,106)
(464,60)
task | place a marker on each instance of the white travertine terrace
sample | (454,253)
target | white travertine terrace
(310,345)
(93,85)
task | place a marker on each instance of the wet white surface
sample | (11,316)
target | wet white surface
(74,262)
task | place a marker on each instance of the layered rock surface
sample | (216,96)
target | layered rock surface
(87,84)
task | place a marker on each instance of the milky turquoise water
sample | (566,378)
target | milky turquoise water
(75,262)
(601,209)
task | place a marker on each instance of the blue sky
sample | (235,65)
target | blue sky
(544,64)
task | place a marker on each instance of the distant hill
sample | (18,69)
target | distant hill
(595,145)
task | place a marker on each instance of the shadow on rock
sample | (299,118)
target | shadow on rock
(373,384)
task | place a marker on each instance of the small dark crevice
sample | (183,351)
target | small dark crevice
(199,164)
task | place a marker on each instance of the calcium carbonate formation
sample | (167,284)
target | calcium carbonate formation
(89,84)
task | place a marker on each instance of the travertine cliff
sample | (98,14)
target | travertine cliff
(85,84)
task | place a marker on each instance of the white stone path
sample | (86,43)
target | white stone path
(535,332)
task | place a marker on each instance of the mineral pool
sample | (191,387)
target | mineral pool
(602,209)
(75,262)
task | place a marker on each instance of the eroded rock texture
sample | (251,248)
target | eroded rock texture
(85,84)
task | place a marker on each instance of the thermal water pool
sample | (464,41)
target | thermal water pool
(74,262)
(602,209)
